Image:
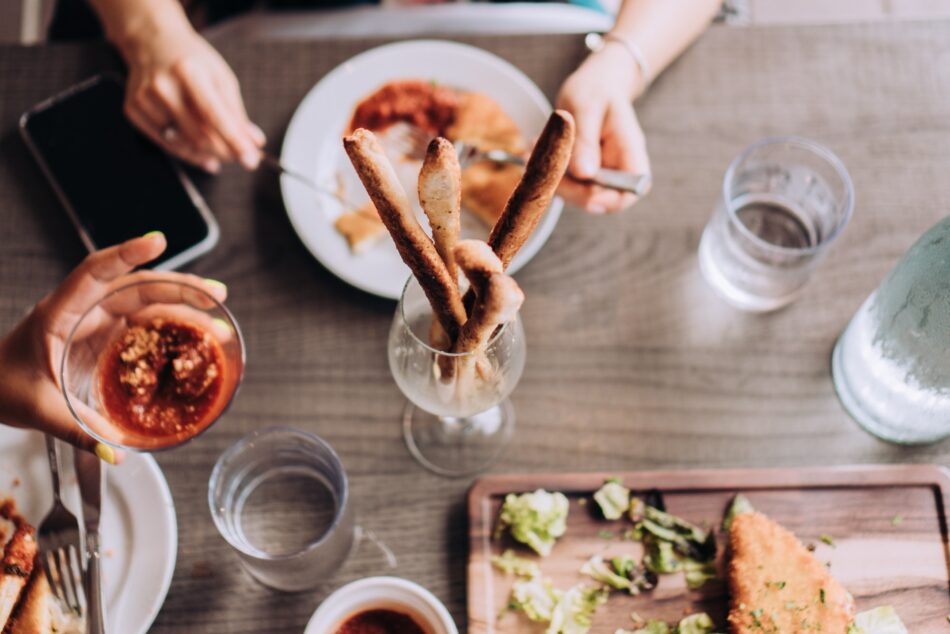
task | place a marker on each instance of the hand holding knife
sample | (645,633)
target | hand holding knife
(91,479)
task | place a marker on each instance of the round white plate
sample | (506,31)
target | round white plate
(138,526)
(313,146)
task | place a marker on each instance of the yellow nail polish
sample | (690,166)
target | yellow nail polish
(154,234)
(215,283)
(105,453)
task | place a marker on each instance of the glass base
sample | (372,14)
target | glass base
(458,447)
(868,419)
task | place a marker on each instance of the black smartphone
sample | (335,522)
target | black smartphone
(114,182)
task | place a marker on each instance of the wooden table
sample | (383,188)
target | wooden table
(632,363)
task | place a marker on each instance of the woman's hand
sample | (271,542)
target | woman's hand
(599,94)
(184,96)
(30,392)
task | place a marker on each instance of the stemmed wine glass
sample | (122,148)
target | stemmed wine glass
(458,419)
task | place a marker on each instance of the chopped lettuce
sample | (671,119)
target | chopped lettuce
(510,563)
(688,539)
(882,620)
(620,573)
(660,557)
(574,612)
(651,627)
(537,598)
(699,623)
(536,519)
(613,499)
(698,572)
(740,504)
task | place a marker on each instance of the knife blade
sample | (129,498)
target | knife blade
(91,477)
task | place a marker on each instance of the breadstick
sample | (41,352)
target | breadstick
(499,298)
(440,194)
(478,261)
(414,246)
(534,192)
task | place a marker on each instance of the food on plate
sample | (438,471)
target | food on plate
(380,621)
(457,115)
(620,573)
(361,227)
(777,585)
(535,519)
(27,606)
(882,620)
(163,379)
(699,623)
(414,246)
(613,499)
(425,104)
(17,556)
(486,188)
(574,611)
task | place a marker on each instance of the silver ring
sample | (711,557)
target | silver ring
(169,133)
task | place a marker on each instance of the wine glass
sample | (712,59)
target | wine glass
(458,419)
(92,370)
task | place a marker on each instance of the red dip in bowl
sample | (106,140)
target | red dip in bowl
(380,621)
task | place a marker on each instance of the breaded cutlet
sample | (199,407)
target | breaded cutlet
(778,587)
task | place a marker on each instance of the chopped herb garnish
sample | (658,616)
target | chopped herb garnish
(789,605)
(897,520)
(827,539)
(821,595)
(605,534)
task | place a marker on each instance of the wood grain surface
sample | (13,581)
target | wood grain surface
(880,560)
(632,362)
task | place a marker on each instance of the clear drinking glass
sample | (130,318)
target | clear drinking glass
(280,497)
(458,419)
(784,201)
(95,337)
(891,365)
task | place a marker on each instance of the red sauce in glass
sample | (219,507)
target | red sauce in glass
(162,379)
(423,104)
(380,621)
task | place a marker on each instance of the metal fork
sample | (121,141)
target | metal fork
(59,542)
(412,141)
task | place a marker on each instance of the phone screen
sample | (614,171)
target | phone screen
(114,181)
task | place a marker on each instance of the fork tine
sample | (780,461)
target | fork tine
(67,578)
(76,569)
(52,574)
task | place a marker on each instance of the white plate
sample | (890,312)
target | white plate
(313,145)
(138,526)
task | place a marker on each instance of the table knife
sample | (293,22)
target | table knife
(91,477)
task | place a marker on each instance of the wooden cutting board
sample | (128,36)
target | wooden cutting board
(888,525)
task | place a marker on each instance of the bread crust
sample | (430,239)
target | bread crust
(498,296)
(543,172)
(414,246)
(440,194)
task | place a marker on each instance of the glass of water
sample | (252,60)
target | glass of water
(891,365)
(784,201)
(279,496)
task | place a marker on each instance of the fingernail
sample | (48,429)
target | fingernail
(250,159)
(154,234)
(587,166)
(215,283)
(105,453)
(212,165)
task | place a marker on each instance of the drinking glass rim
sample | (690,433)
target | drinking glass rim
(802,143)
(67,345)
(452,355)
(240,445)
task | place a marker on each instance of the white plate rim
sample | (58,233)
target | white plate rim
(288,184)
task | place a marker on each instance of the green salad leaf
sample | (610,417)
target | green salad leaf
(574,612)
(651,627)
(599,570)
(699,623)
(882,620)
(536,519)
(510,563)
(537,598)
(613,499)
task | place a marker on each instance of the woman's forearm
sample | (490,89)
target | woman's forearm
(662,29)
(128,22)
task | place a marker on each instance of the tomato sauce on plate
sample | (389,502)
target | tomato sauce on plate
(424,104)
(163,379)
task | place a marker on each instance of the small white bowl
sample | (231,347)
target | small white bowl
(381,592)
